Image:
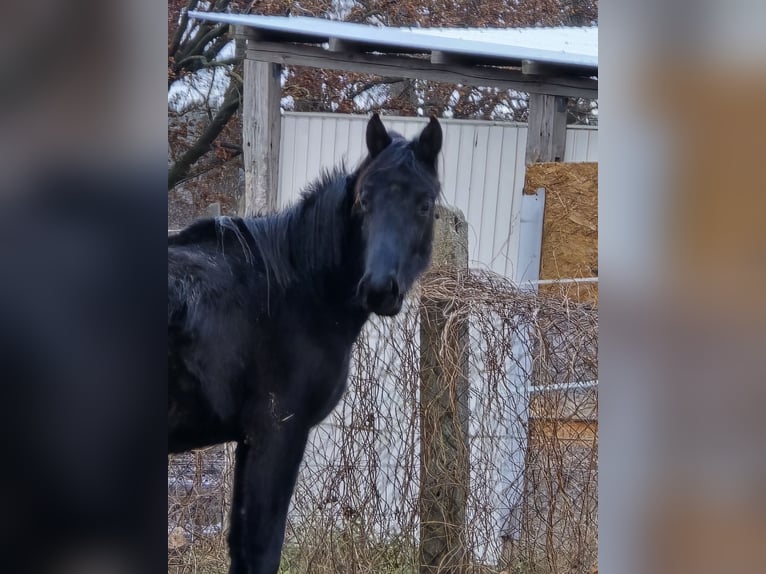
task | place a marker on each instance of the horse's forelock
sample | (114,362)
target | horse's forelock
(400,154)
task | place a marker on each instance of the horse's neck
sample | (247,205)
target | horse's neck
(326,243)
(330,287)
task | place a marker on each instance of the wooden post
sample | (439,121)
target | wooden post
(546,128)
(229,457)
(261,132)
(444,453)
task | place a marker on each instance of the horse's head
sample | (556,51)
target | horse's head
(395,196)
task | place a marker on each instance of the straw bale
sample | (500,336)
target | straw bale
(570,224)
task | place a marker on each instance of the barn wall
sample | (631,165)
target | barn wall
(481,169)
(482,173)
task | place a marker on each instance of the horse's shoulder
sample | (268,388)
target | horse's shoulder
(203,273)
(230,238)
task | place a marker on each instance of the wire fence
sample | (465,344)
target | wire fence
(532,447)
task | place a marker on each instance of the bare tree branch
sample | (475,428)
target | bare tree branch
(204,62)
(201,172)
(180,168)
(176,42)
(197,46)
(371,84)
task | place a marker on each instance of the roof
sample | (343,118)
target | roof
(558,44)
(556,61)
(574,48)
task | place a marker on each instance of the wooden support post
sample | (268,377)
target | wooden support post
(261,131)
(546,128)
(444,452)
(229,459)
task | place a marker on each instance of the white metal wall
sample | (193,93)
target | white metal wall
(481,169)
(482,173)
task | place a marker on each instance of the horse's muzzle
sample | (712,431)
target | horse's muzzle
(381,295)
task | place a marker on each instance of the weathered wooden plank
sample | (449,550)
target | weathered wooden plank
(261,35)
(451,58)
(534,68)
(238,32)
(261,132)
(440,57)
(547,434)
(348,46)
(444,394)
(546,132)
(420,68)
(564,405)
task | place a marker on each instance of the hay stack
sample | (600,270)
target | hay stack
(570,224)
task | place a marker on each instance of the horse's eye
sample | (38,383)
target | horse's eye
(425,208)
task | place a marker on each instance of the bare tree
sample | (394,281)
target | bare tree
(201,66)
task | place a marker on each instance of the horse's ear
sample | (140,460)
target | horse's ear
(377,136)
(429,144)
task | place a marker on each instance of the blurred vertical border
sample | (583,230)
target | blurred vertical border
(83,222)
(682,244)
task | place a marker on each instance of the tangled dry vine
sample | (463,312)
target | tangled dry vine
(532,449)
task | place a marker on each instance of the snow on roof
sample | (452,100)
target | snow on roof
(562,46)
(564,40)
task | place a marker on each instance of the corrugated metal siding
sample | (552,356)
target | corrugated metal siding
(581,144)
(481,170)
(482,173)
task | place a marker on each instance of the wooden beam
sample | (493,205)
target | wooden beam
(238,32)
(260,35)
(261,130)
(546,128)
(450,58)
(338,45)
(420,68)
(533,68)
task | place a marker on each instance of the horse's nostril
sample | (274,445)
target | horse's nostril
(379,291)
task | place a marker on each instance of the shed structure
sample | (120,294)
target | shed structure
(551,64)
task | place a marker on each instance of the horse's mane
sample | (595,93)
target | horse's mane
(307,239)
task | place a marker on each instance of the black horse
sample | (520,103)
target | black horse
(263,313)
